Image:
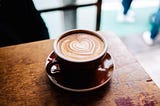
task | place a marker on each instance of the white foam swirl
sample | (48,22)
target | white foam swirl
(80,46)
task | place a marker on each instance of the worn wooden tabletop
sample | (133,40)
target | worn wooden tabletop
(23,80)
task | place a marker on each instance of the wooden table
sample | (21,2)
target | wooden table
(23,80)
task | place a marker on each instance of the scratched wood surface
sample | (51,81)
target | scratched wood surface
(23,81)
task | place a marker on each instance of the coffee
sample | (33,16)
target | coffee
(78,53)
(80,46)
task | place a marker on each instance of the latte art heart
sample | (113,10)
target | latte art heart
(80,46)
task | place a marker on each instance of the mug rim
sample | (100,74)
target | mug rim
(72,31)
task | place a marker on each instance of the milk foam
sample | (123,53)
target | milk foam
(80,46)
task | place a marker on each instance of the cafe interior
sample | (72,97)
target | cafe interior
(96,15)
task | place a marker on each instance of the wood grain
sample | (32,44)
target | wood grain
(23,80)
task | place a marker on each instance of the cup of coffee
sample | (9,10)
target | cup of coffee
(79,52)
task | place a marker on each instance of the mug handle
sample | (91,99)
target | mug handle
(107,62)
(52,68)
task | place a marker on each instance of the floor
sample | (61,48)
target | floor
(148,56)
(111,10)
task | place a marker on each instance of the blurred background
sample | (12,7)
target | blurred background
(86,16)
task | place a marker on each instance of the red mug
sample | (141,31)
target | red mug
(78,53)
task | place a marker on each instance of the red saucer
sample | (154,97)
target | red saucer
(102,75)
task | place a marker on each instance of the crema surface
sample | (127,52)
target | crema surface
(80,47)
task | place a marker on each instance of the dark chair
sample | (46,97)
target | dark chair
(20,22)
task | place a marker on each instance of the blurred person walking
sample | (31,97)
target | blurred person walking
(126,15)
(150,36)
